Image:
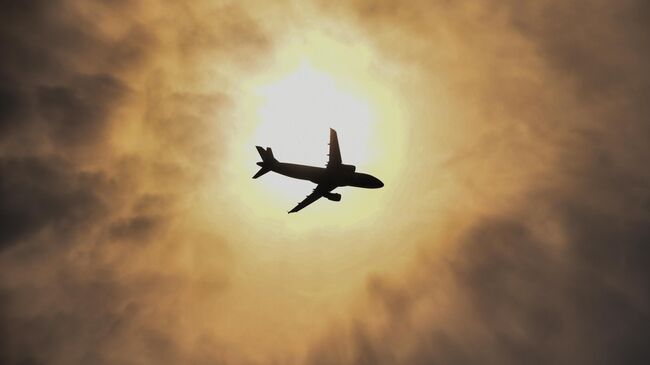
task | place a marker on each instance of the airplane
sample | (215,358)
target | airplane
(328,178)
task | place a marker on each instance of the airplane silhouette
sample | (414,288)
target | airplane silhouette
(326,178)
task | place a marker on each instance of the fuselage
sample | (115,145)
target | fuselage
(342,175)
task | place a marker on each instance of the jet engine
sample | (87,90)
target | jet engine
(333,197)
(349,168)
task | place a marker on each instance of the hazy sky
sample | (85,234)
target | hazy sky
(513,139)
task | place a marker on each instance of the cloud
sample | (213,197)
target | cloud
(40,193)
(108,111)
(87,221)
(78,113)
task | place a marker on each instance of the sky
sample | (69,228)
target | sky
(512,138)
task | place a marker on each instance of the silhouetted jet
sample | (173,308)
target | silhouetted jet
(327,178)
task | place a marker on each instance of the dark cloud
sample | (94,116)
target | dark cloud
(137,227)
(80,282)
(47,104)
(60,73)
(78,112)
(569,36)
(40,193)
(87,315)
(61,299)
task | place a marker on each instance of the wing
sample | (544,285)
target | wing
(315,195)
(335,152)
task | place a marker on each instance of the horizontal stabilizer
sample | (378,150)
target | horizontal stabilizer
(261,172)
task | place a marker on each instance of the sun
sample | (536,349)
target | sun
(308,102)
(313,83)
(297,112)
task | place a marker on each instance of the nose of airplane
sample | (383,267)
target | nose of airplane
(377,183)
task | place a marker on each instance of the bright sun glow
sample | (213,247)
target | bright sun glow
(317,82)
(307,103)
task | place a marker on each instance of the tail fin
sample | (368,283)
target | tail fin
(266,154)
(267,161)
